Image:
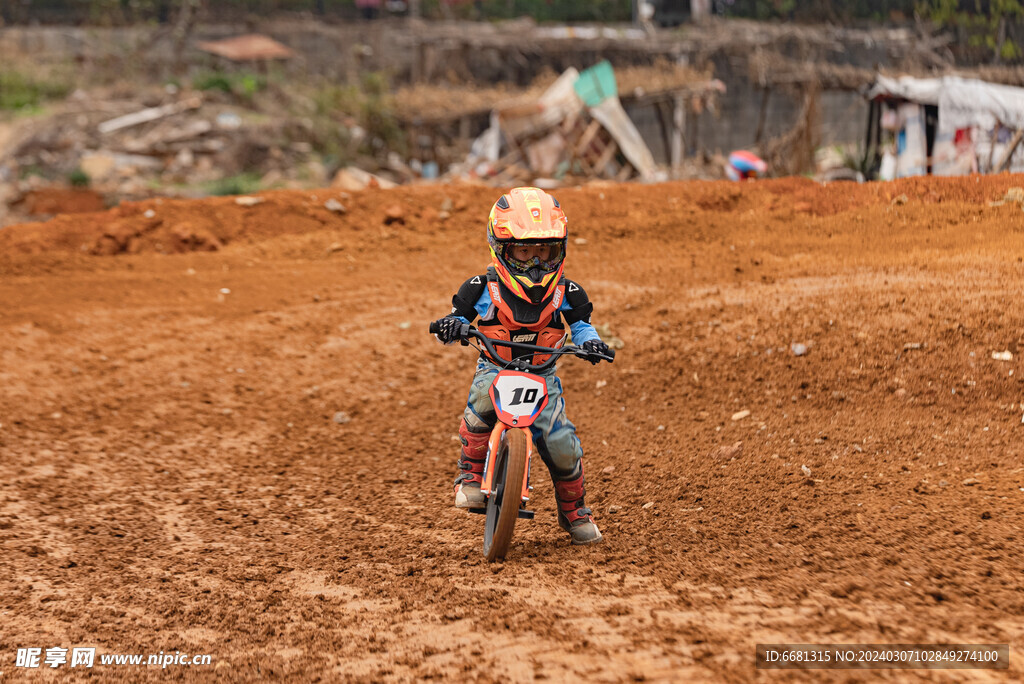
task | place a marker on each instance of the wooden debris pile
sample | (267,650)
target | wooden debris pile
(128,146)
(577,129)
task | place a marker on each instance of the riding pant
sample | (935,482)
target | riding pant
(553,433)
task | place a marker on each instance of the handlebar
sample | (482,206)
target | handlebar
(467,331)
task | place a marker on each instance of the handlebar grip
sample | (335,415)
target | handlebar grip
(611,353)
(434,328)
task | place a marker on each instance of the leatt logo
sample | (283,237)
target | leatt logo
(524,338)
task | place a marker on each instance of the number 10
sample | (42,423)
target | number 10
(519,398)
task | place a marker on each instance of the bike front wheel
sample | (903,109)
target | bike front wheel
(506,494)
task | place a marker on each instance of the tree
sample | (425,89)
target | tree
(985,22)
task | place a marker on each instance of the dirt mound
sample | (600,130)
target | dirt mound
(170,226)
(249,452)
(176,226)
(50,201)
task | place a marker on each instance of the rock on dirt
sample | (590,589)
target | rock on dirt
(394,214)
(734,450)
(353,178)
(740,415)
(798,349)
(342,418)
(335,206)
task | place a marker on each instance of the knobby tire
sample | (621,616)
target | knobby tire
(506,497)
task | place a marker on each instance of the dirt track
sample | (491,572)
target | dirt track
(172,478)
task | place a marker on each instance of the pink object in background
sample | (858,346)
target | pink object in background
(743,165)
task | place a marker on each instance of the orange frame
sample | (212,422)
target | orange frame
(492,455)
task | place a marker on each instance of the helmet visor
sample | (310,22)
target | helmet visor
(534,258)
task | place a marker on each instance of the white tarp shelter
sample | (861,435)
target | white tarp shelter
(962,102)
(975,128)
(920,90)
(965,102)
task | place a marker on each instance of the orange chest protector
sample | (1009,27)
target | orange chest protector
(543,328)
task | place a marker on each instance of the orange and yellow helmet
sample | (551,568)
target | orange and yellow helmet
(527,232)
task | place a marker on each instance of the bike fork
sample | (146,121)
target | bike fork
(493,444)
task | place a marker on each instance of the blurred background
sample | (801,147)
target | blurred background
(110,100)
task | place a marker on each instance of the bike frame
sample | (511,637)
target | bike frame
(520,385)
(518,396)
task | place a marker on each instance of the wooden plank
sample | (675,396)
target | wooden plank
(1004,161)
(149,114)
(678,126)
(428,57)
(520,111)
(992,149)
(569,123)
(587,137)
(509,158)
(665,124)
(762,115)
(588,170)
(511,139)
(606,156)
(518,173)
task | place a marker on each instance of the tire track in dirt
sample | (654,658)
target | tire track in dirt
(172,477)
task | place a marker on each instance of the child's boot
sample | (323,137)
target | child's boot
(471,465)
(573,515)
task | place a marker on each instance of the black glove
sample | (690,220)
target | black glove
(448,329)
(595,347)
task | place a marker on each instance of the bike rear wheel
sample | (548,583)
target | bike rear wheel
(506,494)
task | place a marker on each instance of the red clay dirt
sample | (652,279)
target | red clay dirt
(49,201)
(245,446)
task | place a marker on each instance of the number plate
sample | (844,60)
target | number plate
(518,397)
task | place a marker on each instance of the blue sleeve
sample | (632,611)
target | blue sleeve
(483,304)
(583,332)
